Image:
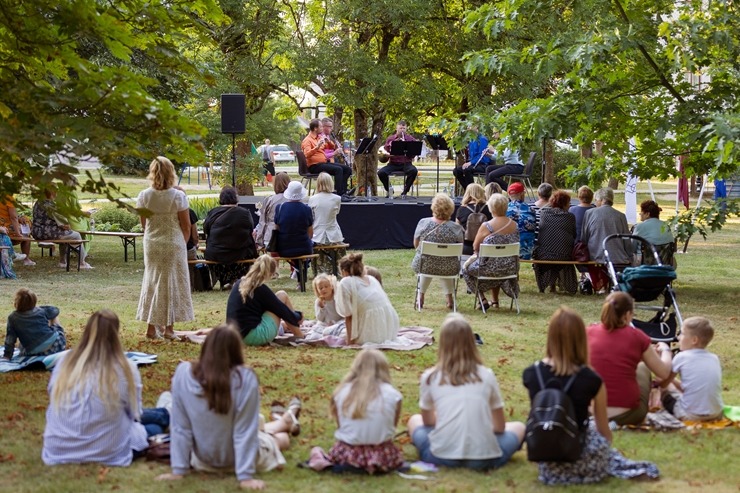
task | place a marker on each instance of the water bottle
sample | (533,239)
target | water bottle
(390,191)
(92,224)
(444,191)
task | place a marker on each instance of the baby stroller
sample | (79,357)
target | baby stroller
(647,283)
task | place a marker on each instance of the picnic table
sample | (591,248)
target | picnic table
(127,238)
(72,245)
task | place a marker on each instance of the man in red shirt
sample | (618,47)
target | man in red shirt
(313,148)
(399,163)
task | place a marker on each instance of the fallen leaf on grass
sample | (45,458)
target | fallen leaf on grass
(102,473)
(7,458)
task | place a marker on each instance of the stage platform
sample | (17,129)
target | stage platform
(376,225)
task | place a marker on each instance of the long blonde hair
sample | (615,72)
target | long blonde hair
(369,370)
(162,173)
(567,345)
(331,279)
(262,270)
(98,360)
(458,357)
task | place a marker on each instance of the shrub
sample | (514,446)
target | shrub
(110,217)
(201,206)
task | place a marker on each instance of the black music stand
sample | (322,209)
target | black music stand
(366,147)
(407,148)
(438,143)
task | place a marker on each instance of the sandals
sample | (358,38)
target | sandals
(484,305)
(278,411)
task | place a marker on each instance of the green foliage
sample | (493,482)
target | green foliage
(110,217)
(201,206)
(82,78)
(248,171)
(624,75)
(703,220)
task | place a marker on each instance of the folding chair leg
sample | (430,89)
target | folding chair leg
(417,303)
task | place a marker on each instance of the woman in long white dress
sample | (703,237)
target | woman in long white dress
(366,308)
(165,288)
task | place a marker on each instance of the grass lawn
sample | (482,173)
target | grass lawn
(689,461)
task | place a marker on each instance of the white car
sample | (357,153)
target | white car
(282,152)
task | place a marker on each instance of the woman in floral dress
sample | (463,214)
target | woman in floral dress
(165,289)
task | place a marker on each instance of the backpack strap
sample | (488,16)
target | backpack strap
(540,380)
(572,379)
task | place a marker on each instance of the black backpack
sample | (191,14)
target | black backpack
(552,428)
(475,219)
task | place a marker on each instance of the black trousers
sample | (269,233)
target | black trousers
(408,169)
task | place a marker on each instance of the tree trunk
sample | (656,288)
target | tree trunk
(243,148)
(549,175)
(365,165)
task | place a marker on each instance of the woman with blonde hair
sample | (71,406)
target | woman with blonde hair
(498,231)
(94,413)
(366,408)
(366,308)
(473,202)
(215,416)
(437,229)
(165,289)
(256,310)
(266,210)
(624,357)
(462,421)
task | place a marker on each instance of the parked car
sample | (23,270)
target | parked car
(282,152)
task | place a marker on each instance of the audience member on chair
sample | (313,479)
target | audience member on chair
(473,201)
(655,231)
(294,228)
(49,225)
(555,238)
(437,229)
(524,217)
(266,210)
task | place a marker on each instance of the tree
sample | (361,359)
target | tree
(621,72)
(86,78)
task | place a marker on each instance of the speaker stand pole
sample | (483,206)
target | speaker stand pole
(438,171)
(233,160)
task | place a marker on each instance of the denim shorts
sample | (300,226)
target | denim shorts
(264,333)
(507,441)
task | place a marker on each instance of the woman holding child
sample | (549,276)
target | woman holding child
(624,357)
(462,421)
(360,299)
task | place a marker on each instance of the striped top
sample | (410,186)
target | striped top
(83,430)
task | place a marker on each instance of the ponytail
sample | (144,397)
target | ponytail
(614,310)
(262,270)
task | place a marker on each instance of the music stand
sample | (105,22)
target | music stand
(366,146)
(438,143)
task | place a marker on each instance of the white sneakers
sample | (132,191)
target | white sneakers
(19,256)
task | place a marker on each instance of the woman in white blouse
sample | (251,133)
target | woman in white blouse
(325,206)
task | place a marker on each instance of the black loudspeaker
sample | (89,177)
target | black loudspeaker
(233,113)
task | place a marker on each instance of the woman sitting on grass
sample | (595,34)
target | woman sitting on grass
(215,416)
(94,414)
(366,407)
(256,310)
(462,421)
(37,327)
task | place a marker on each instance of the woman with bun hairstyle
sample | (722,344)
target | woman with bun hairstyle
(366,308)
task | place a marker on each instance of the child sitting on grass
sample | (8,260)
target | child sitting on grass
(324,286)
(37,327)
(698,396)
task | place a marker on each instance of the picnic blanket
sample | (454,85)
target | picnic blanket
(18,362)
(662,420)
(408,339)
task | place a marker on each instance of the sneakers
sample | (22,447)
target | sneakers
(294,274)
(165,401)
(85,266)
(29,262)
(19,256)
(62,265)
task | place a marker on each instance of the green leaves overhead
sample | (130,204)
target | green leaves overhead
(611,71)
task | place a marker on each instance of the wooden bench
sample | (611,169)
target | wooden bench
(72,246)
(560,262)
(213,263)
(127,238)
(334,252)
(301,261)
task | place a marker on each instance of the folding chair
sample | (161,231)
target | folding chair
(525,176)
(306,176)
(450,250)
(497,251)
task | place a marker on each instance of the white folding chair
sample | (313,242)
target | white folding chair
(450,250)
(497,251)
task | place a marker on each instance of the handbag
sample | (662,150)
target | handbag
(272,245)
(580,252)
